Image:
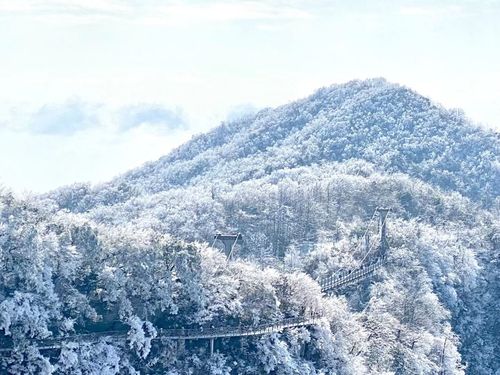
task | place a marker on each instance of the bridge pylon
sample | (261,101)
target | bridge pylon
(229,241)
(382,228)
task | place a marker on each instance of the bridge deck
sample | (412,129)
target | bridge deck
(328,285)
(332,283)
(176,334)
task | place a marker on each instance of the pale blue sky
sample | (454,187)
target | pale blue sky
(91,88)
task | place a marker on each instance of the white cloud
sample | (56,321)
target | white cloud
(65,118)
(155,116)
(64,7)
(227,11)
(169,13)
(429,10)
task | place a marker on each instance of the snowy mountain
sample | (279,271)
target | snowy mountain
(301,183)
(385,124)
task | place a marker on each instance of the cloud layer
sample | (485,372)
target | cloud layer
(65,119)
(75,115)
(158,12)
(152,115)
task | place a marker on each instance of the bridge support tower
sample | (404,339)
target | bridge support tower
(382,227)
(229,241)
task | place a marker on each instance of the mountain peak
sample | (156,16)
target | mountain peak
(383,123)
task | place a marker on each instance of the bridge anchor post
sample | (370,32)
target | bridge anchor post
(212,342)
(302,350)
(181,347)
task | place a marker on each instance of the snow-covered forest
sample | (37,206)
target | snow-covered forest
(300,183)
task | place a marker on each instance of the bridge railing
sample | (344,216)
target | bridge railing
(237,330)
(180,333)
(336,281)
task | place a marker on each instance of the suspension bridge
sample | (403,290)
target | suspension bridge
(374,259)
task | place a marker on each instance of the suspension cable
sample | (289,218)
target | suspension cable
(360,241)
(232,247)
(371,247)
